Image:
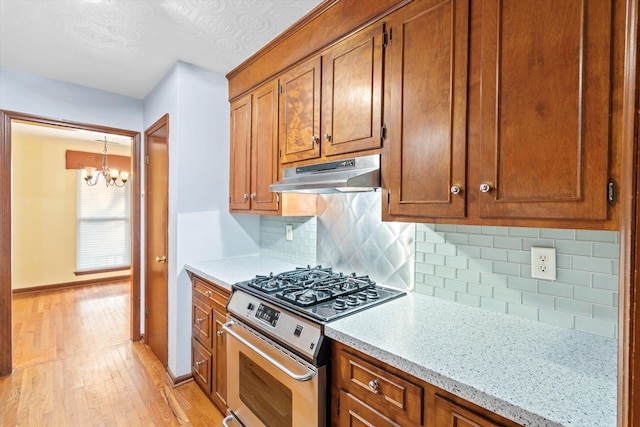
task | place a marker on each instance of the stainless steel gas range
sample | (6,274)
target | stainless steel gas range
(276,351)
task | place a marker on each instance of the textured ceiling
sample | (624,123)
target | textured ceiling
(127,46)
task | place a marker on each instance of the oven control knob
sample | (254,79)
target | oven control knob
(250,306)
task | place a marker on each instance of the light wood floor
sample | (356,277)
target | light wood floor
(74,365)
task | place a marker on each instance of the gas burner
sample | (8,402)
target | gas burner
(319,292)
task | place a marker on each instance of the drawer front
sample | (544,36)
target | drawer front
(449,414)
(381,389)
(208,291)
(201,319)
(354,412)
(201,365)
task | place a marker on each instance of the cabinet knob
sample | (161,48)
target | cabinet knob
(253,195)
(246,196)
(199,363)
(314,139)
(199,320)
(207,293)
(161,259)
(220,333)
(455,189)
(373,385)
(327,137)
(484,187)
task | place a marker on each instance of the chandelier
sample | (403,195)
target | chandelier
(111,176)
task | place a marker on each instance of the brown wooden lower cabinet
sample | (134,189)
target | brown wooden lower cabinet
(367,392)
(208,343)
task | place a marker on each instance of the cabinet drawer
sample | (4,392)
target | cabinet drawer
(449,414)
(354,412)
(208,291)
(381,389)
(201,365)
(202,322)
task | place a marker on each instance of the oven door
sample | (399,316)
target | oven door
(270,386)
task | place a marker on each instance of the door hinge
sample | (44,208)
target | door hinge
(277,198)
(612,192)
(338,406)
(280,153)
(279,89)
(384,36)
(389,196)
(383,132)
(146,312)
(146,159)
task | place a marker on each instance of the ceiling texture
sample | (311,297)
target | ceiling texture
(127,46)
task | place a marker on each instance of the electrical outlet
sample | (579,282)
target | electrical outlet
(543,263)
(289,232)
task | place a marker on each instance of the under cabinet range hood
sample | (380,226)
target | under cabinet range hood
(341,176)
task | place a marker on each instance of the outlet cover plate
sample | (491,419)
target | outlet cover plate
(289,232)
(543,263)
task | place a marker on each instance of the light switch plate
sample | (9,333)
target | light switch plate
(543,263)
(289,232)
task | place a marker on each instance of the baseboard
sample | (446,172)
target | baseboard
(56,286)
(178,381)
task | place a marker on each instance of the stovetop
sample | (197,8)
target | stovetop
(319,292)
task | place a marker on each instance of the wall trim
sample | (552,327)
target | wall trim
(79,283)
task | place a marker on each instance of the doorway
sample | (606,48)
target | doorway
(156,214)
(6,120)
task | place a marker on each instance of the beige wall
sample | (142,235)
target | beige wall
(44,211)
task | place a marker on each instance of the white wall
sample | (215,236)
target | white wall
(200,226)
(30,94)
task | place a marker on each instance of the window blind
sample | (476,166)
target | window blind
(103,238)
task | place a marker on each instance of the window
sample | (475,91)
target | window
(103,237)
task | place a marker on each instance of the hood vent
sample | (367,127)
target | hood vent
(341,176)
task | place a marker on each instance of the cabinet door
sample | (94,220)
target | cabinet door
(201,318)
(299,136)
(219,374)
(545,105)
(201,365)
(356,413)
(427,76)
(264,147)
(352,93)
(448,414)
(240,153)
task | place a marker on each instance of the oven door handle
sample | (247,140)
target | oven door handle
(306,377)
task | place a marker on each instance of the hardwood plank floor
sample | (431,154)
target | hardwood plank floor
(74,365)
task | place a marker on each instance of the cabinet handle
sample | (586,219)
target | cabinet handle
(373,385)
(485,188)
(207,293)
(246,196)
(253,195)
(455,189)
(314,139)
(161,259)
(220,333)
(327,137)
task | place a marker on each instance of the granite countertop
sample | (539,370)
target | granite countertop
(225,272)
(528,372)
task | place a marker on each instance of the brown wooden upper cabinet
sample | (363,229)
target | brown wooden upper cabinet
(500,110)
(254,150)
(300,112)
(427,62)
(545,107)
(345,83)
(352,93)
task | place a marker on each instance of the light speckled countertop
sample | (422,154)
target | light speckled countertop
(529,372)
(225,272)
